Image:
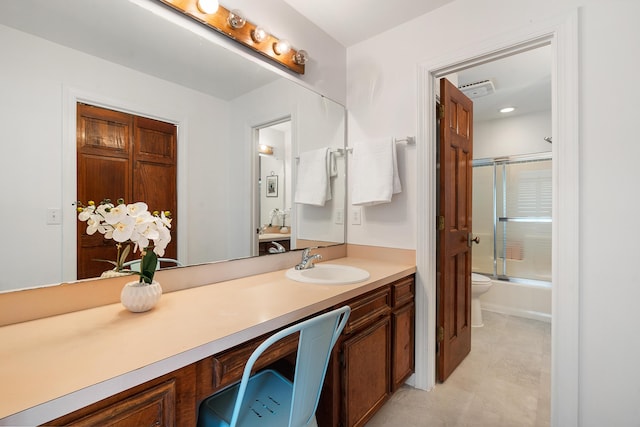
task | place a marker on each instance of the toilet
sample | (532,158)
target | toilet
(479,285)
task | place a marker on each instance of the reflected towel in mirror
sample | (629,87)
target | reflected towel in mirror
(374,172)
(313,186)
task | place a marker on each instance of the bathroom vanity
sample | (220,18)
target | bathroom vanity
(106,366)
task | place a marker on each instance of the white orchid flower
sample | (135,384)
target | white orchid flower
(93,222)
(128,223)
(86,213)
(164,220)
(163,240)
(116,214)
(137,209)
(102,209)
(123,229)
(151,231)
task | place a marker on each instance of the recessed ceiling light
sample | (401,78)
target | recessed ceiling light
(507,109)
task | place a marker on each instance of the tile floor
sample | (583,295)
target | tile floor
(504,382)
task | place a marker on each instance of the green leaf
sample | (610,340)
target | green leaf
(148,266)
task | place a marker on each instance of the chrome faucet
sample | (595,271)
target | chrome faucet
(278,249)
(308,259)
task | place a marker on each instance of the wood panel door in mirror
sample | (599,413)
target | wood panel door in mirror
(107,168)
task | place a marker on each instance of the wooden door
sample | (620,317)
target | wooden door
(454,225)
(120,155)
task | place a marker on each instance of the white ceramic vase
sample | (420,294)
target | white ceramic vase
(138,297)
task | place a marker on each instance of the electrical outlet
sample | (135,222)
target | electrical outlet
(356,215)
(339,216)
(54,216)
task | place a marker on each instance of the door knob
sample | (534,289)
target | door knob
(475,240)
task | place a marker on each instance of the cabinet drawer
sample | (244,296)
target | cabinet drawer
(227,367)
(403,291)
(368,308)
(153,407)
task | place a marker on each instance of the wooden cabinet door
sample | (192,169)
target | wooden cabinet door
(366,372)
(403,328)
(153,407)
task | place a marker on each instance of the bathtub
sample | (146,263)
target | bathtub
(532,301)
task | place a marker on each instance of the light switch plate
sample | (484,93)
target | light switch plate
(339,216)
(356,215)
(54,216)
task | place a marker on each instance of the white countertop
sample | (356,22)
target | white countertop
(52,366)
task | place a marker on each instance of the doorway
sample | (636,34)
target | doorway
(562,34)
(511,227)
(273,196)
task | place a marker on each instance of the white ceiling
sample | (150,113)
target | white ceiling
(522,81)
(352,21)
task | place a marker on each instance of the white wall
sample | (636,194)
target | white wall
(382,100)
(510,136)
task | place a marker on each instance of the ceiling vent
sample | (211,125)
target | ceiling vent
(478,89)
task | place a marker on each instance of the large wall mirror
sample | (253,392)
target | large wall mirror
(140,57)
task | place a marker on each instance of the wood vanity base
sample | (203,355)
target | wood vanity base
(372,358)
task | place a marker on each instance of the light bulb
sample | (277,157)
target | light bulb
(208,6)
(301,57)
(281,47)
(236,20)
(259,35)
(507,109)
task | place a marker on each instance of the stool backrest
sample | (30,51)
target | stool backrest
(318,335)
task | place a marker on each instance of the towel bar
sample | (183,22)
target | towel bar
(339,151)
(410,140)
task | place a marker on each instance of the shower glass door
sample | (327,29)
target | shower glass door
(512,216)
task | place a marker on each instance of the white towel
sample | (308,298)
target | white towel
(374,172)
(313,186)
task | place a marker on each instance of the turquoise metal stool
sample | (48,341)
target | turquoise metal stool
(269,399)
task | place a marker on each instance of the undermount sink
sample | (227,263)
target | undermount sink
(329,274)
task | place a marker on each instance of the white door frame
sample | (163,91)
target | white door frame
(562,35)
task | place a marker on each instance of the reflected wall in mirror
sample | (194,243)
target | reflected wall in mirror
(215,97)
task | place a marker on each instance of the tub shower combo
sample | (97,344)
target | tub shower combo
(512,206)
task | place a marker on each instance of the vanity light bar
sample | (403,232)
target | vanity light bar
(248,34)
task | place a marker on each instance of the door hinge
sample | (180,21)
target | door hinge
(441,111)
(440,224)
(440,333)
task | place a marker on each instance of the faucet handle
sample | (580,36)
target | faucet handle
(307,251)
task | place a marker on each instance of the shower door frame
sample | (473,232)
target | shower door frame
(503,161)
